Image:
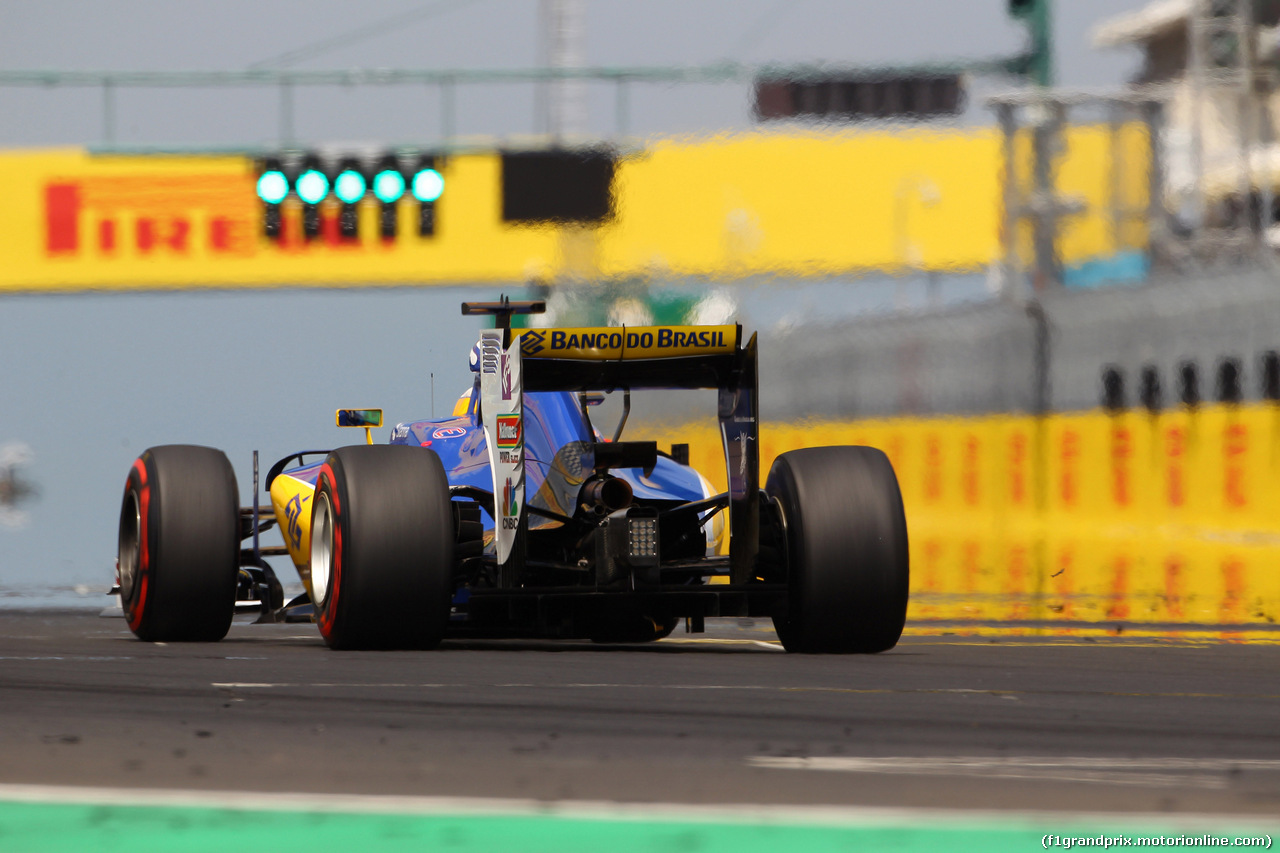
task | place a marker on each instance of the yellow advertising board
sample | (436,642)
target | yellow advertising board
(814,204)
(1077,519)
(85,221)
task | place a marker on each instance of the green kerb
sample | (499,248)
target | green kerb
(46,828)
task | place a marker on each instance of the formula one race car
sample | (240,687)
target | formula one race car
(513,518)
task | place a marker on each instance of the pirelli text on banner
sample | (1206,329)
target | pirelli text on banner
(628,342)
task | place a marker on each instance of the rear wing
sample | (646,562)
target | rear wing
(601,359)
(632,357)
(608,357)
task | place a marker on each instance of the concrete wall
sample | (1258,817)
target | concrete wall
(982,358)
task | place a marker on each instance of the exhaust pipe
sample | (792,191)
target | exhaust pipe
(603,495)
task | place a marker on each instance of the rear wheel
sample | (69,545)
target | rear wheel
(846,538)
(179,544)
(382,542)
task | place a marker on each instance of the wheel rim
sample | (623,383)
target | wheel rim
(130,530)
(321,549)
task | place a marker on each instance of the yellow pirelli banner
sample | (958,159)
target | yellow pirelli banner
(1078,519)
(91,221)
(796,204)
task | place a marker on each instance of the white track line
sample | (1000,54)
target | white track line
(795,688)
(1207,773)
(605,810)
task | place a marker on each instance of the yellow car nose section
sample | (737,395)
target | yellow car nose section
(291,500)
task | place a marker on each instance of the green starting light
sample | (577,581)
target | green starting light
(312,186)
(388,186)
(349,186)
(427,185)
(273,186)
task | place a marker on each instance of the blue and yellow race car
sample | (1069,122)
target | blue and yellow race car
(514,518)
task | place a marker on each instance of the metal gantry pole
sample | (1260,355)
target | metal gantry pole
(1011,213)
(286,114)
(1157,216)
(448,110)
(1196,73)
(109,112)
(1046,136)
(622,106)
(1246,100)
(1117,209)
(564,30)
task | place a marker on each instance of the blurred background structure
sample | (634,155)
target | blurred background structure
(14,490)
(935,214)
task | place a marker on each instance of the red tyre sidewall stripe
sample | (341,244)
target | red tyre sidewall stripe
(137,608)
(330,609)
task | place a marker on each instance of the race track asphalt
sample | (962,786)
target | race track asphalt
(970,723)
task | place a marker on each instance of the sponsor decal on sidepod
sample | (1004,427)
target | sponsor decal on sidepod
(510,507)
(509,437)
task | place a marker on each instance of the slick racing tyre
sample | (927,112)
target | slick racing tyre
(382,542)
(846,534)
(180,544)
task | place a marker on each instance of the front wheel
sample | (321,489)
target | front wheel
(179,544)
(846,537)
(382,540)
